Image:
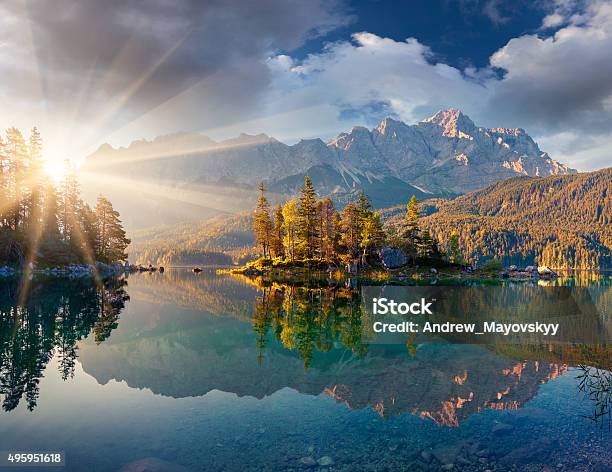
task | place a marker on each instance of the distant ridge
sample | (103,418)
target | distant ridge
(446,154)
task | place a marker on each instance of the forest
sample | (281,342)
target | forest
(560,221)
(310,230)
(47,223)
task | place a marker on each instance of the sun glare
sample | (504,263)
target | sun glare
(55,169)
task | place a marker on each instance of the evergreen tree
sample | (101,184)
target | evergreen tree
(307,222)
(329,224)
(37,180)
(410,230)
(69,204)
(427,247)
(276,247)
(18,195)
(454,251)
(112,241)
(262,224)
(4,182)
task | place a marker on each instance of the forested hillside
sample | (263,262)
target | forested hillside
(560,221)
(214,241)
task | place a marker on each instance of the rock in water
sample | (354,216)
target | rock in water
(546,271)
(325,461)
(393,258)
(308,461)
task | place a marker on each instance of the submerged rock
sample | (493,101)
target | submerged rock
(308,461)
(325,461)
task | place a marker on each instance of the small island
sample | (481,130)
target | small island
(308,237)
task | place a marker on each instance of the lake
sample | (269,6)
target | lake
(207,372)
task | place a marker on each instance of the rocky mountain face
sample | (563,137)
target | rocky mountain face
(442,155)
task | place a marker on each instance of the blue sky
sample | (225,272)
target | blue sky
(115,71)
(460,34)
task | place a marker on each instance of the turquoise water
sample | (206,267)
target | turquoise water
(194,373)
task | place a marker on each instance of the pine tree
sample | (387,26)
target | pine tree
(427,247)
(307,223)
(276,247)
(18,188)
(329,236)
(4,182)
(262,224)
(454,251)
(410,230)
(112,241)
(69,204)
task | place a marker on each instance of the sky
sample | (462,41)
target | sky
(89,72)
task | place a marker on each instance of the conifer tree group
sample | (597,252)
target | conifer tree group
(307,228)
(49,223)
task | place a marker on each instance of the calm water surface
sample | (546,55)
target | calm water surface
(209,372)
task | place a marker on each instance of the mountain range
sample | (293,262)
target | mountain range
(444,155)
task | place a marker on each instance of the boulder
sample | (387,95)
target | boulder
(546,271)
(530,269)
(513,268)
(393,258)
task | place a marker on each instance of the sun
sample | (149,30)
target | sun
(55,169)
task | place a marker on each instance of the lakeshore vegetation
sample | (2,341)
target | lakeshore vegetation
(310,231)
(47,223)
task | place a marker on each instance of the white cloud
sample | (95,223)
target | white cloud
(559,87)
(553,20)
(372,73)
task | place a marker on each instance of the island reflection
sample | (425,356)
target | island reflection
(185,335)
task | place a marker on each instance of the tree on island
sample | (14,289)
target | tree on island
(307,221)
(278,233)
(307,229)
(262,224)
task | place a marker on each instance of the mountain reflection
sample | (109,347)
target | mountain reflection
(54,317)
(185,335)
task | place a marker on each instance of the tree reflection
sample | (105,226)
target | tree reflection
(307,320)
(55,316)
(596,384)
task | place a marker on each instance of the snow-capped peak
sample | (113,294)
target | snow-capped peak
(454,122)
